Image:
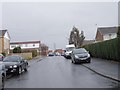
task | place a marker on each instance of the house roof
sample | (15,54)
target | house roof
(108,30)
(2,32)
(28,42)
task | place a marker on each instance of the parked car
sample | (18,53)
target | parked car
(15,64)
(57,54)
(2,76)
(51,54)
(1,57)
(80,55)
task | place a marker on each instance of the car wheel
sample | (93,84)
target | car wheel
(19,70)
(26,67)
(89,61)
(3,82)
(74,62)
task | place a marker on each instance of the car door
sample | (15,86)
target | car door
(72,55)
(23,63)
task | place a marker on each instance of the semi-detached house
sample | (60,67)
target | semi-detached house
(4,41)
(29,45)
(106,33)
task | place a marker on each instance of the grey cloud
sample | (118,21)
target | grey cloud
(52,22)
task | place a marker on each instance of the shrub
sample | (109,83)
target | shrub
(34,53)
(17,50)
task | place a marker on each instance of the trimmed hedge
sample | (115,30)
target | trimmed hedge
(106,50)
(109,49)
(118,34)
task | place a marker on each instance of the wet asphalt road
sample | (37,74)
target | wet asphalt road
(58,72)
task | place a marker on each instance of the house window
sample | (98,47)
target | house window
(33,45)
(13,46)
(26,45)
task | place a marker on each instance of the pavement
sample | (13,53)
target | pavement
(35,59)
(105,68)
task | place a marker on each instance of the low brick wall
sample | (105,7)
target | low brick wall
(27,56)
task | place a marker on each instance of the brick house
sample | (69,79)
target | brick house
(4,41)
(44,50)
(60,51)
(106,33)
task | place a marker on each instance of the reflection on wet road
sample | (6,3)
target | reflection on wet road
(57,72)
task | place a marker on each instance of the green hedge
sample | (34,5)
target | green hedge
(34,53)
(118,34)
(106,50)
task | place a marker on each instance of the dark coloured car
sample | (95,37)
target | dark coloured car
(1,57)
(15,64)
(80,55)
(2,76)
(51,54)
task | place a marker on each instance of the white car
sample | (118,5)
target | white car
(2,76)
(68,51)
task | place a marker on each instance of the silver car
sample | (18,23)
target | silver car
(2,75)
(80,55)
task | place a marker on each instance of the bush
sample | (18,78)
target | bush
(28,58)
(34,53)
(17,50)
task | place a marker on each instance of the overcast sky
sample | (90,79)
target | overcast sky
(52,22)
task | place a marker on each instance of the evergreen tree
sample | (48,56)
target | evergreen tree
(17,50)
(76,38)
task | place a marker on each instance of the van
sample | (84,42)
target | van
(68,51)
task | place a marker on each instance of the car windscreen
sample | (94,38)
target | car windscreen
(69,49)
(80,51)
(11,59)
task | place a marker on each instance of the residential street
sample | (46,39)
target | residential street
(58,72)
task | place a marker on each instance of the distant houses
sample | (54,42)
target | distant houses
(44,50)
(29,45)
(59,51)
(4,42)
(103,34)
(106,33)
